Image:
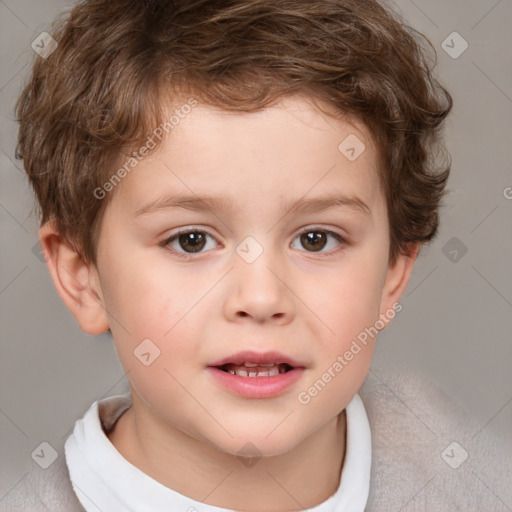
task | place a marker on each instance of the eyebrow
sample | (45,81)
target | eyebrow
(226,205)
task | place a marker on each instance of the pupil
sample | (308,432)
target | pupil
(312,238)
(196,241)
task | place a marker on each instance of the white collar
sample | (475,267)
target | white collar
(104,480)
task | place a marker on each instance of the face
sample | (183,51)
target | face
(255,233)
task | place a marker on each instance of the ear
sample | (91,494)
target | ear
(397,278)
(76,282)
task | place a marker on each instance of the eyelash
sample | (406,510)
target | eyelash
(188,255)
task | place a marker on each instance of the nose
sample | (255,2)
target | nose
(259,292)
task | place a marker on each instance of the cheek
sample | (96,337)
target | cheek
(159,353)
(346,352)
(146,300)
(350,308)
(348,301)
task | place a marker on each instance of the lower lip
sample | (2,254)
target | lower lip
(256,387)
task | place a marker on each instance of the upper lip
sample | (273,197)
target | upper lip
(251,356)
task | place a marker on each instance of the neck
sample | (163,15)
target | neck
(301,478)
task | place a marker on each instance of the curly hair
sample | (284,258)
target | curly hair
(102,90)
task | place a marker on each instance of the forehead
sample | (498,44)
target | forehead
(289,150)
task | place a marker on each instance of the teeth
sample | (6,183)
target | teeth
(272,371)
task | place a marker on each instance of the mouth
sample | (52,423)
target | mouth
(253,374)
(251,363)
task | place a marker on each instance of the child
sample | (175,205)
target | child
(238,191)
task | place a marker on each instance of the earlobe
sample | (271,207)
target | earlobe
(74,280)
(397,278)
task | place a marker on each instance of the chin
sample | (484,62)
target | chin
(257,445)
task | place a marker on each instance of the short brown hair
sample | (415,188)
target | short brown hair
(101,93)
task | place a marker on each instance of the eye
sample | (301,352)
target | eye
(190,241)
(315,240)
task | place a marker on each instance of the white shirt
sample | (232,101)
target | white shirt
(105,481)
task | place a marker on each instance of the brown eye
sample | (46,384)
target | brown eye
(319,240)
(190,242)
(314,240)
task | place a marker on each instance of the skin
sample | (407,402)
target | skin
(198,308)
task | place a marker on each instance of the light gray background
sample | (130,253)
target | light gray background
(455,326)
